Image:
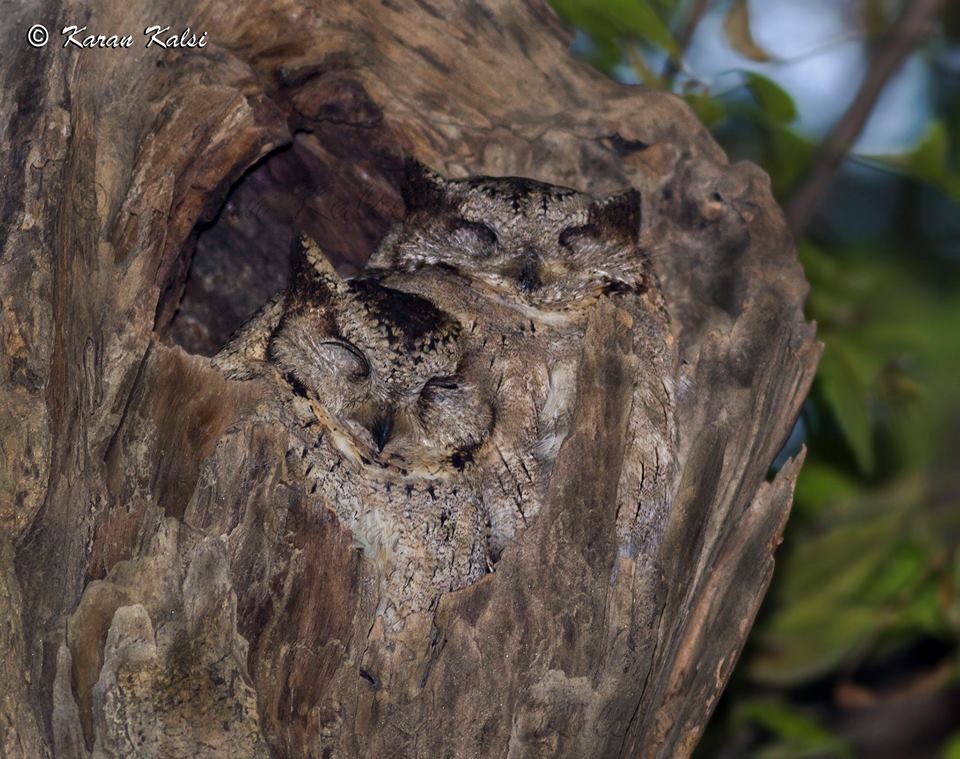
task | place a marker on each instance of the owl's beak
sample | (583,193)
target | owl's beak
(529,276)
(382,428)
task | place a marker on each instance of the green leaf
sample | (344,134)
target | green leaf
(846,380)
(710,110)
(952,610)
(832,593)
(641,21)
(952,748)
(773,100)
(929,161)
(608,20)
(736,25)
(800,735)
(839,563)
(924,613)
(816,638)
(667,5)
(821,485)
(787,156)
(902,570)
(606,53)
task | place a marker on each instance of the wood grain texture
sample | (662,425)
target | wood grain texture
(153,539)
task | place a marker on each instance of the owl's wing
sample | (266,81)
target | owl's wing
(247,348)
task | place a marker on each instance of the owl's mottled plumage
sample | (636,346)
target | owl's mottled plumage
(426,399)
(543,245)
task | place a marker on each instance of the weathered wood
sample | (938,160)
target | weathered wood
(149,522)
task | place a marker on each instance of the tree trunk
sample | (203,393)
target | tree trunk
(165,586)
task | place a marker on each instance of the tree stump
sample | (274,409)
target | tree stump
(166,589)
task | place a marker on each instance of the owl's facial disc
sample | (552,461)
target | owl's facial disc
(538,244)
(387,367)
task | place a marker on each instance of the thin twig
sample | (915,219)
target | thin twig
(908,31)
(672,67)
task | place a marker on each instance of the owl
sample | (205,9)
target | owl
(427,398)
(389,366)
(540,244)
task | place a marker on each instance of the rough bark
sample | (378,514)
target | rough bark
(163,585)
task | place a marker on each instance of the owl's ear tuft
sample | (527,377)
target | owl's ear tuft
(619,213)
(312,269)
(422,187)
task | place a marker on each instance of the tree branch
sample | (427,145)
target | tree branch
(684,37)
(913,25)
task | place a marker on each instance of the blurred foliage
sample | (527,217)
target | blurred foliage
(863,617)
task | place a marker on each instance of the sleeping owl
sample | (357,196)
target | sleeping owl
(426,399)
(541,244)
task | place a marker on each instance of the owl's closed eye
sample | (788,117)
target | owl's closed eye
(473,237)
(385,365)
(544,245)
